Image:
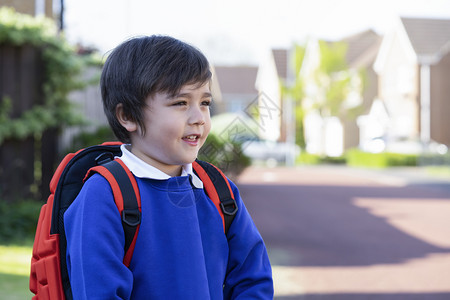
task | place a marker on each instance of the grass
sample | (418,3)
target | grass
(14,272)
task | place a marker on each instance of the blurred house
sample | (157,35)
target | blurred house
(236,85)
(413,67)
(31,7)
(332,135)
(272,74)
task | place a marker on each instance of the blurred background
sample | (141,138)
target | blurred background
(332,117)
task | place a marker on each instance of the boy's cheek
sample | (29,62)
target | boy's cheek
(207,127)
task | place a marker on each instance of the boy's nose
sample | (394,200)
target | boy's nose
(197,117)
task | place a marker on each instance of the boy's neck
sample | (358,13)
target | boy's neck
(171,170)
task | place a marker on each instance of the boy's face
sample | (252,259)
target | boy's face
(175,128)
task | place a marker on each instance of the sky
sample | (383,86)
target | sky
(237,32)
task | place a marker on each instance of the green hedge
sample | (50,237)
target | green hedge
(18,221)
(358,158)
(314,159)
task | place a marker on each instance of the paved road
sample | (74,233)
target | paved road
(335,233)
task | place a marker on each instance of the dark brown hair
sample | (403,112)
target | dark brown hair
(143,66)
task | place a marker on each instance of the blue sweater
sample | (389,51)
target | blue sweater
(181,250)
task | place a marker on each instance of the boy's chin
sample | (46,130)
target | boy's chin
(189,159)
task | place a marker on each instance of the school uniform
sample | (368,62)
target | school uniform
(181,250)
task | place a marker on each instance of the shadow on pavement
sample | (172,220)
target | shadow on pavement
(305,225)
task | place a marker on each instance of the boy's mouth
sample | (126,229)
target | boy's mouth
(192,138)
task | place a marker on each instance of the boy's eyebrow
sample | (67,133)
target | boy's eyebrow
(187,95)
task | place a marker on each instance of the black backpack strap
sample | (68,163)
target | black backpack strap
(218,189)
(127,198)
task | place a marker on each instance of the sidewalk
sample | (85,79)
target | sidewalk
(338,233)
(395,176)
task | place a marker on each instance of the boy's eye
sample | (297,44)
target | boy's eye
(206,103)
(179,103)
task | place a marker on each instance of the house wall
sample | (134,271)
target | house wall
(269,105)
(399,90)
(237,103)
(351,134)
(351,128)
(28,6)
(440,101)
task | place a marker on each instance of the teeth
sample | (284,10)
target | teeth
(191,137)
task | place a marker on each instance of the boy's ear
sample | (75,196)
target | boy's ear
(124,120)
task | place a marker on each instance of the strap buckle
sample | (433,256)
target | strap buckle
(104,158)
(229,206)
(131,217)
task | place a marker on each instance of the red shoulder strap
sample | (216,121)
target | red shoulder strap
(218,189)
(127,198)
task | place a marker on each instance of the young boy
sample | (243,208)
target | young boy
(156,95)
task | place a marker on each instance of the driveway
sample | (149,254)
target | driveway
(338,233)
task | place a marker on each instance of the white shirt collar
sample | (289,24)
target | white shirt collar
(142,169)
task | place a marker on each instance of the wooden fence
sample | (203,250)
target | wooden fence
(26,166)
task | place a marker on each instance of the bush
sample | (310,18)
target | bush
(226,155)
(18,221)
(359,158)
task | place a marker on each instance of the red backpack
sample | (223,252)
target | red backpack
(49,277)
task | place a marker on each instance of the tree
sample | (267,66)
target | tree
(294,90)
(332,79)
(328,87)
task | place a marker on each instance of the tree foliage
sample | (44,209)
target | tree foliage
(329,85)
(332,57)
(61,66)
(333,78)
